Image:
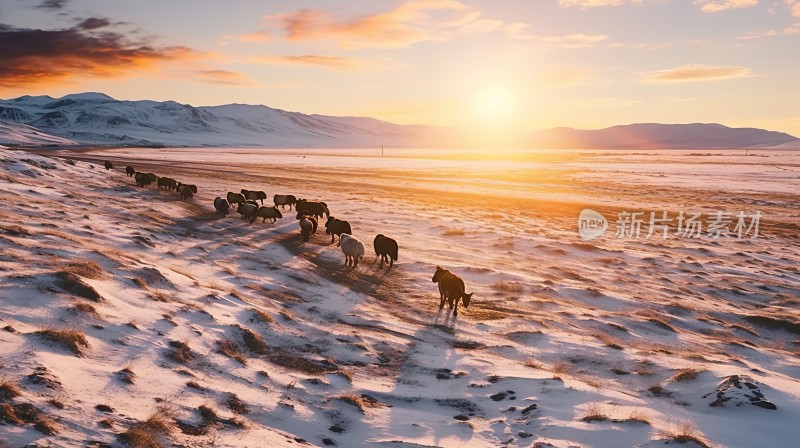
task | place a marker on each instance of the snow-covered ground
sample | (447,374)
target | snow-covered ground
(604,343)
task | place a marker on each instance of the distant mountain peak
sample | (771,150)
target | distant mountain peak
(87,96)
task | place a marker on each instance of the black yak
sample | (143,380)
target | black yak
(221,206)
(386,248)
(336,227)
(451,288)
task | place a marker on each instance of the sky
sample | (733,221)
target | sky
(503,66)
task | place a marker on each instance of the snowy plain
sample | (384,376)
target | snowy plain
(638,334)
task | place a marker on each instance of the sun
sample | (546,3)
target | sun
(494,102)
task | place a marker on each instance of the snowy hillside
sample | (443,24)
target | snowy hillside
(132,318)
(97,119)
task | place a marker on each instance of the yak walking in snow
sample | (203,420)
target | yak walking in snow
(386,248)
(451,288)
(221,206)
(353,250)
(284,199)
(336,227)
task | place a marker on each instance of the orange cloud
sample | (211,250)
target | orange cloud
(257,36)
(37,57)
(689,73)
(593,3)
(224,77)
(794,6)
(329,62)
(412,22)
(722,5)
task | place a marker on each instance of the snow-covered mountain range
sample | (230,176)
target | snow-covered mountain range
(96,119)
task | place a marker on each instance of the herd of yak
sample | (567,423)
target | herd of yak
(451,287)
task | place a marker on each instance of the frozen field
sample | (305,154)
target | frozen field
(613,342)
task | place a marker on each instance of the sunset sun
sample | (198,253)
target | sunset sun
(494,102)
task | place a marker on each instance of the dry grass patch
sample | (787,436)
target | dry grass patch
(231,350)
(262,316)
(159,296)
(149,433)
(84,308)
(73,284)
(86,269)
(46,426)
(508,287)
(210,416)
(594,413)
(362,401)
(301,363)
(253,341)
(71,338)
(685,432)
(126,375)
(181,352)
(687,375)
(608,340)
(9,389)
(236,405)
(454,232)
(636,416)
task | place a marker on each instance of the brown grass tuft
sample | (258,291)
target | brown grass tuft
(362,401)
(71,338)
(454,232)
(231,350)
(594,413)
(74,285)
(253,341)
(148,433)
(262,316)
(86,269)
(46,426)
(159,296)
(84,308)
(181,352)
(684,433)
(687,375)
(236,405)
(8,389)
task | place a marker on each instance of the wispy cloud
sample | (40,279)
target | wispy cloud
(223,77)
(689,73)
(573,40)
(53,4)
(794,6)
(257,36)
(594,3)
(722,5)
(36,56)
(329,62)
(412,22)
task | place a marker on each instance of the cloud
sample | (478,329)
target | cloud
(329,62)
(257,36)
(223,77)
(594,3)
(36,57)
(53,4)
(689,73)
(93,23)
(574,40)
(722,5)
(794,6)
(412,22)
